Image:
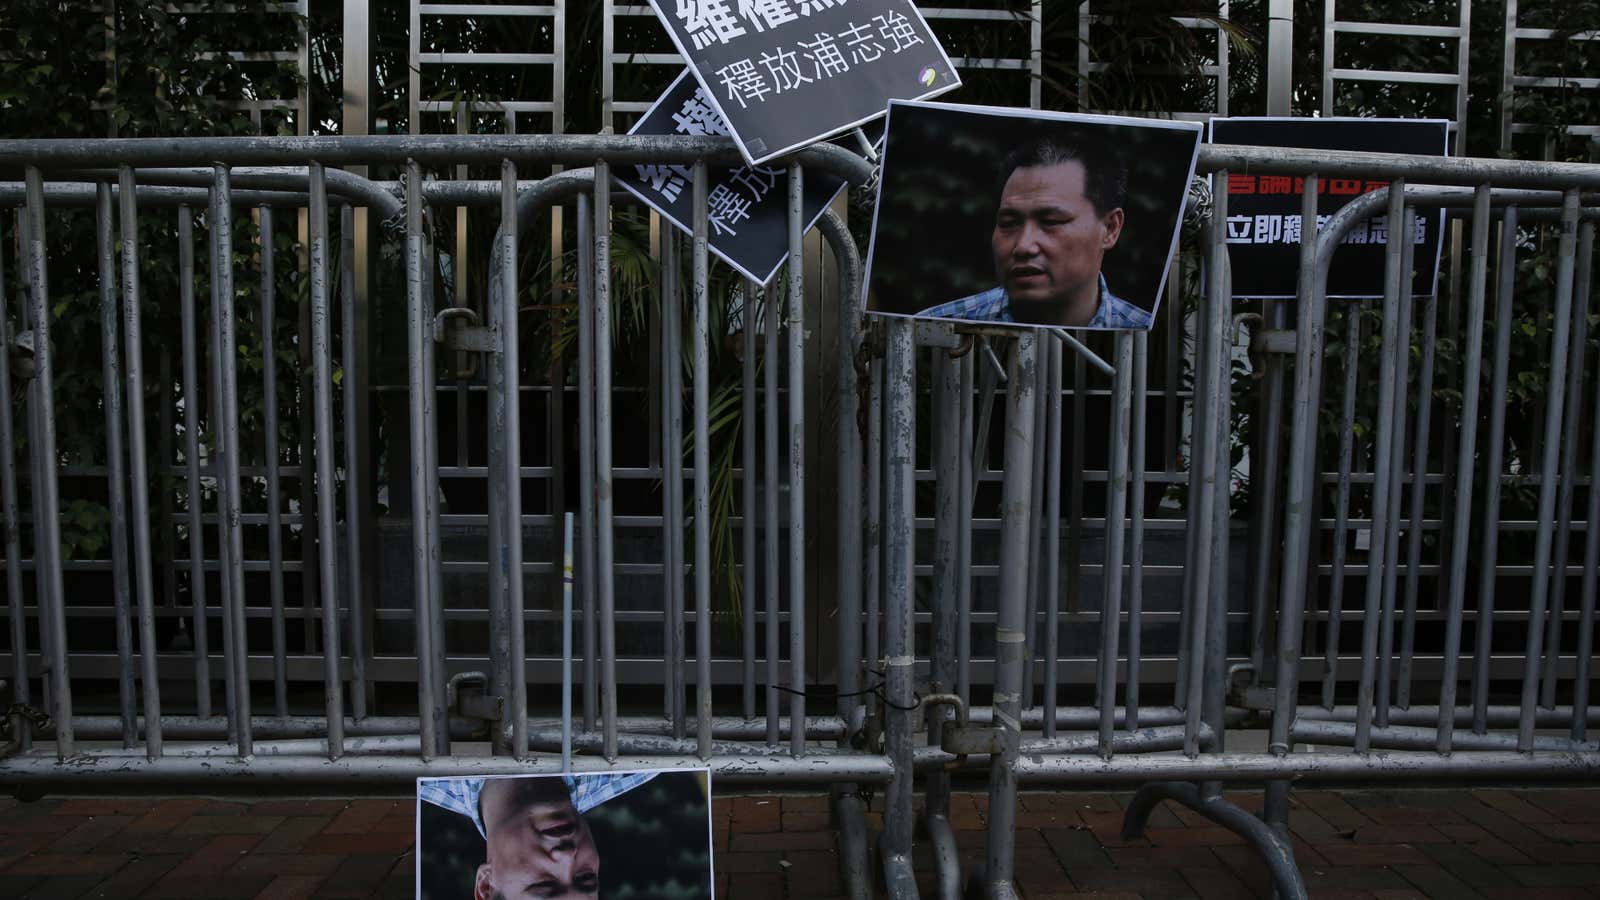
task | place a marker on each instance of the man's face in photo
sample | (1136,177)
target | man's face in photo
(538,844)
(1048,243)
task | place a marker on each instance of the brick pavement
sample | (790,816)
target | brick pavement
(1523,844)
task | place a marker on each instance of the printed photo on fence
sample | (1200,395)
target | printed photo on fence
(1008,216)
(644,835)
(1264,229)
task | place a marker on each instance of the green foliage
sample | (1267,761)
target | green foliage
(143,72)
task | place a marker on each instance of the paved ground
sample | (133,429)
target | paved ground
(1482,843)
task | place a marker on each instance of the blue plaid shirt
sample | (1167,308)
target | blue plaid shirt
(588,791)
(994,306)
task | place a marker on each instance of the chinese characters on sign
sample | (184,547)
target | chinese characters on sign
(747,206)
(787,73)
(1275,228)
(1263,225)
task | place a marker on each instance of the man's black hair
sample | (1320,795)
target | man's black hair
(1105,174)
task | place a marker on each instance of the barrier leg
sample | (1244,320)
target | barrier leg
(1010,637)
(1273,847)
(899,469)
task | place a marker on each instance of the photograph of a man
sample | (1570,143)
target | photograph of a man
(636,834)
(1075,217)
(1059,212)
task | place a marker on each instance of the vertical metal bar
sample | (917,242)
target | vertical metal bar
(1572,418)
(1075,467)
(1265,483)
(1010,626)
(1419,477)
(747,486)
(1305,406)
(675,536)
(771,319)
(269,405)
(947,476)
(702,466)
(1591,520)
(327,507)
(1213,706)
(899,566)
(138,464)
(589,582)
(1054,359)
(672,460)
(1554,408)
(47,501)
(1505,285)
(1116,511)
(873,570)
(847,542)
(116,461)
(499,580)
(353,385)
(510,343)
(964,534)
(214,456)
(21,728)
(1036,540)
(1138,437)
(1385,458)
(421,396)
(604,546)
(797,462)
(566,644)
(228,459)
(1396,483)
(1211,330)
(191,459)
(1456,586)
(1341,522)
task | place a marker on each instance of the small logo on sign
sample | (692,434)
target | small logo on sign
(928,76)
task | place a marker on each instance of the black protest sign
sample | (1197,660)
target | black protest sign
(1264,229)
(788,73)
(747,206)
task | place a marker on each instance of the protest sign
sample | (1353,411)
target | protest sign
(1024,217)
(747,206)
(1264,229)
(787,73)
(639,833)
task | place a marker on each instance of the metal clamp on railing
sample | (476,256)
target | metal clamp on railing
(1247,692)
(962,739)
(468,697)
(465,336)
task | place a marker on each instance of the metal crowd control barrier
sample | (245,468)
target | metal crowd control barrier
(124,180)
(1396,719)
(1036,728)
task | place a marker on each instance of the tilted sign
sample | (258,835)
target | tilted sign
(747,206)
(787,73)
(1264,230)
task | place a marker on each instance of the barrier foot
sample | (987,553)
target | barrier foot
(1273,847)
(855,863)
(946,858)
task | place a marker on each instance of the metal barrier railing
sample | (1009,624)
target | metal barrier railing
(140,177)
(1390,735)
(1038,725)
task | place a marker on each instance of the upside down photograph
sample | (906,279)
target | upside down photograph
(642,835)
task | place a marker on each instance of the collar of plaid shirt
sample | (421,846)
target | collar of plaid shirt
(994,306)
(461,795)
